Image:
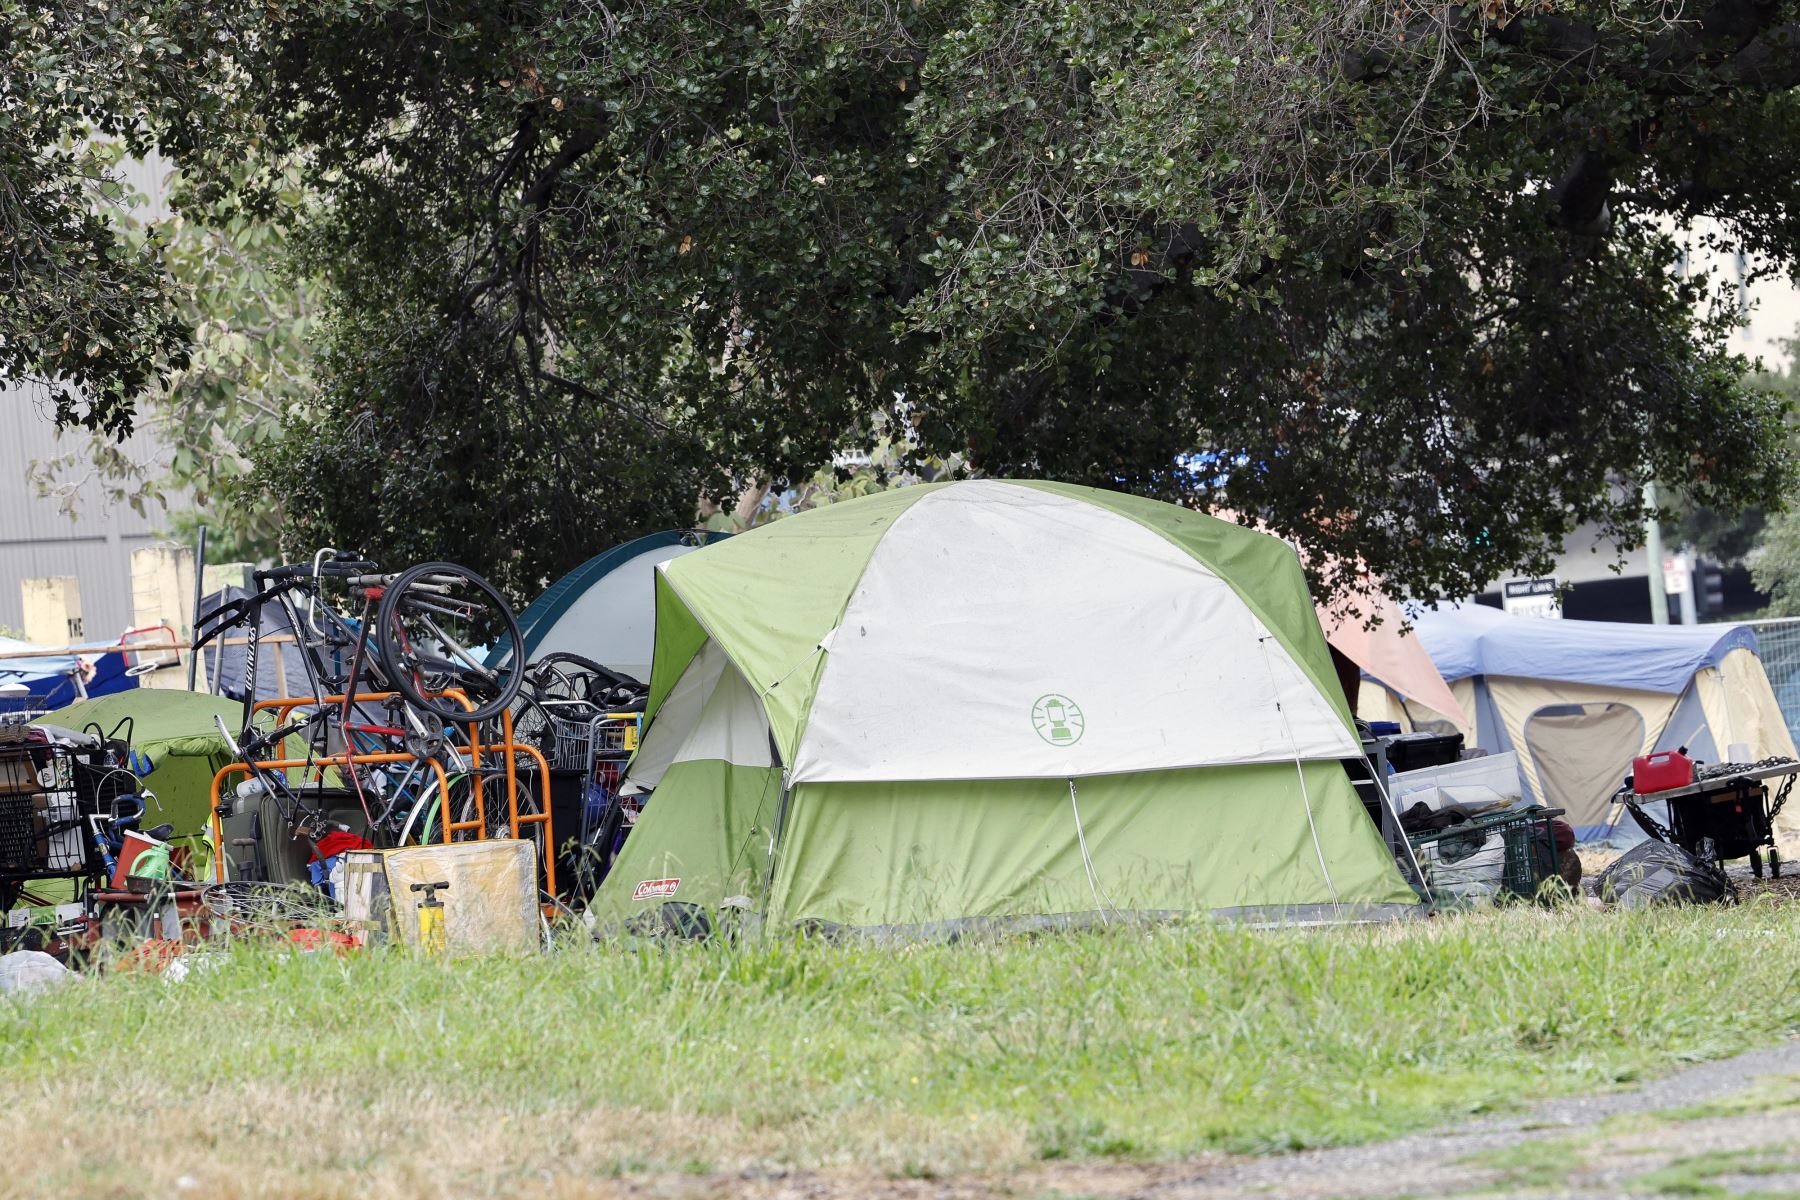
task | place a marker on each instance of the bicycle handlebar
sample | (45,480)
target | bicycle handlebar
(336,567)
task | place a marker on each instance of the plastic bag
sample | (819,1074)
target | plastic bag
(1662,873)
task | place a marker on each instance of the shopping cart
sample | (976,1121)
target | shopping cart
(599,747)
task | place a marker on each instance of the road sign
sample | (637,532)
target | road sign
(1675,573)
(1531,597)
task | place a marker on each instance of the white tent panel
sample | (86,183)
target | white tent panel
(732,727)
(613,621)
(711,712)
(988,639)
(676,719)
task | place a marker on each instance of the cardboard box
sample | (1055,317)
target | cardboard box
(18,773)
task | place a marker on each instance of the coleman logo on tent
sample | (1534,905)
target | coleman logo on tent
(655,889)
(1057,719)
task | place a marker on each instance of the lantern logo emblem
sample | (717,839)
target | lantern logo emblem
(1058,720)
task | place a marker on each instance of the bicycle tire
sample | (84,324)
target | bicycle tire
(403,665)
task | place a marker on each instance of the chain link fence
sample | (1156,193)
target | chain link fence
(1779,644)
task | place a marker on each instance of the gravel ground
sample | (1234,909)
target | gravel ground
(1785,890)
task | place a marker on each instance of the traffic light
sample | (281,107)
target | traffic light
(1709,580)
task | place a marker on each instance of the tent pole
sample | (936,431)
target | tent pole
(1391,831)
(781,812)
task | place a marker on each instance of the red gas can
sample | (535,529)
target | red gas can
(1661,771)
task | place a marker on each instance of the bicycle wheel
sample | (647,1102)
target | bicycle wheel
(438,626)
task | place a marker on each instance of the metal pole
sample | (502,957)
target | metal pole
(1653,550)
(1690,603)
(199,594)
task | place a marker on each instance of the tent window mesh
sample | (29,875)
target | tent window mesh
(1582,753)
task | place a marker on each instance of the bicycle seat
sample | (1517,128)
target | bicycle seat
(161,832)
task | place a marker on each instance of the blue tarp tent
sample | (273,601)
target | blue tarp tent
(1474,639)
(1578,700)
(37,682)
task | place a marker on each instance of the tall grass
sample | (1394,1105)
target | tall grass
(1135,1043)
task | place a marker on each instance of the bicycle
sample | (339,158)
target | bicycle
(418,635)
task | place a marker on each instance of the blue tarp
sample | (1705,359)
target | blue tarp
(51,681)
(1468,640)
(24,669)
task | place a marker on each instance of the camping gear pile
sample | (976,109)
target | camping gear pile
(1716,812)
(1477,838)
(401,734)
(1580,701)
(402,737)
(966,706)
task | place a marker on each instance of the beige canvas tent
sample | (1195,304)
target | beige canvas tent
(1578,700)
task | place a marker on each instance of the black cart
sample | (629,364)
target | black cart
(1733,812)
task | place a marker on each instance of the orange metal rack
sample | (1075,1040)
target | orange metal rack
(506,747)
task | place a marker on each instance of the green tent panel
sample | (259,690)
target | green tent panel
(990,700)
(716,842)
(935,855)
(808,579)
(177,731)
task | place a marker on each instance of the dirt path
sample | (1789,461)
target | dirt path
(1724,1128)
(1582,1146)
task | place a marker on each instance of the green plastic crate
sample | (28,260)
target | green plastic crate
(1530,849)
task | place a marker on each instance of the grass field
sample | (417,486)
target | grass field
(378,1075)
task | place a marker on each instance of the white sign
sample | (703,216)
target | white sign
(1531,598)
(1675,574)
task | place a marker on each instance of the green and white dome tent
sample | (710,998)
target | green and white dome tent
(992,700)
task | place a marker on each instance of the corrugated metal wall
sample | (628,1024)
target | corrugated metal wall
(36,538)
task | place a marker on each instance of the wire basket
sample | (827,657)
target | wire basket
(615,736)
(569,749)
(579,745)
(42,832)
(99,783)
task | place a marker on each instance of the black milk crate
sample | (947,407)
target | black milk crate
(43,833)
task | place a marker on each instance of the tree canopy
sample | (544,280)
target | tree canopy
(1397,280)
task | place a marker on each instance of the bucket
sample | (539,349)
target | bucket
(140,857)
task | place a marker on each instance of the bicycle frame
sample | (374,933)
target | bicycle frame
(507,750)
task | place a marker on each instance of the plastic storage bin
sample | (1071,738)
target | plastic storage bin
(1475,783)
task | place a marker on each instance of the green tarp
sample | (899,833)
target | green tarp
(177,731)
